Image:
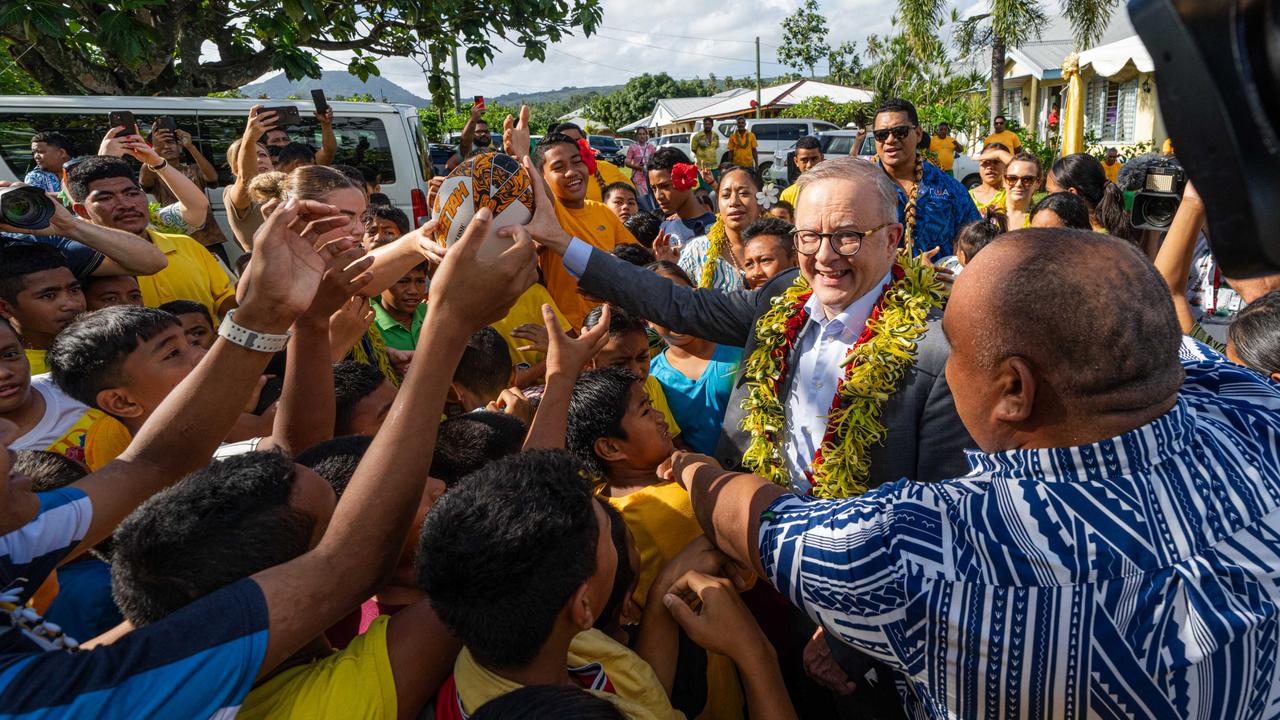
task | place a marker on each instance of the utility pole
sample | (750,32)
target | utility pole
(457,90)
(757,77)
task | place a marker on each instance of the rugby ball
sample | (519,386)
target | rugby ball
(491,180)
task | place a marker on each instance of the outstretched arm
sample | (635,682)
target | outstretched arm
(328,141)
(1176,254)
(363,539)
(727,505)
(566,357)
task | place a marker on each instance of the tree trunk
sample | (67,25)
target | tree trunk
(997,76)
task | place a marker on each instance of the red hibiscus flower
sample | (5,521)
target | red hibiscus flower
(588,156)
(684,176)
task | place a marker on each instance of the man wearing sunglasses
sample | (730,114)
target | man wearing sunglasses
(1000,133)
(932,205)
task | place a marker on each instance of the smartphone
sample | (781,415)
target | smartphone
(165,122)
(124,119)
(317,97)
(479,101)
(286,115)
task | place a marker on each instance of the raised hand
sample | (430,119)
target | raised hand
(721,623)
(515,134)
(569,355)
(663,248)
(348,325)
(535,334)
(116,142)
(513,402)
(287,267)
(346,274)
(400,359)
(476,291)
(184,138)
(682,466)
(259,123)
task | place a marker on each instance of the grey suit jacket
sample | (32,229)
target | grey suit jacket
(925,439)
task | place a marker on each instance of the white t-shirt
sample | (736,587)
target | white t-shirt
(61,411)
(69,427)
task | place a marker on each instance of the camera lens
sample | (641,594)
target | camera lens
(25,208)
(1160,211)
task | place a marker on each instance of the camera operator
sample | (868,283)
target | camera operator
(90,249)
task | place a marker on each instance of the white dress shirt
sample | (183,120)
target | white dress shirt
(815,376)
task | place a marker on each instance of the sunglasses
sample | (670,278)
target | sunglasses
(900,132)
(1023,180)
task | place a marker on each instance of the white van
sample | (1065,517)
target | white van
(384,136)
(772,135)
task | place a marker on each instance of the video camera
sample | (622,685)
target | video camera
(1218,66)
(1159,181)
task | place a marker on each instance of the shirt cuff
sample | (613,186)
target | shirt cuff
(576,257)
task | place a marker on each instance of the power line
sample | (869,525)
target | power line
(685,37)
(592,62)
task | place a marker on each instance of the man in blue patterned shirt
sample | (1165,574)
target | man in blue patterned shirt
(932,205)
(1115,551)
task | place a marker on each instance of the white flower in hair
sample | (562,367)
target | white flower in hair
(768,197)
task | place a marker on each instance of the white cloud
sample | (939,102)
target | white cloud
(639,37)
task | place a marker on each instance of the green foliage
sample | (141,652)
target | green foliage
(232,93)
(13,79)
(824,108)
(146,47)
(804,38)
(844,67)
(357,97)
(635,100)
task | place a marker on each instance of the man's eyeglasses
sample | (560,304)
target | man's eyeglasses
(1023,180)
(900,132)
(844,242)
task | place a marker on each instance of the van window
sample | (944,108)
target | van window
(781,132)
(823,127)
(361,141)
(86,129)
(840,145)
(727,129)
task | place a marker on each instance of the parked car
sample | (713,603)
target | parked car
(385,136)
(607,148)
(677,140)
(440,154)
(836,143)
(772,135)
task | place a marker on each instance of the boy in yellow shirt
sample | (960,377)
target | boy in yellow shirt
(628,348)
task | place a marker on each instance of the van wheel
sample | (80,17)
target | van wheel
(972,181)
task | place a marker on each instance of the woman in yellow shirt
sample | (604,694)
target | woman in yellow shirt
(991,166)
(1021,180)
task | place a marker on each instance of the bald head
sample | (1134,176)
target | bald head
(1085,314)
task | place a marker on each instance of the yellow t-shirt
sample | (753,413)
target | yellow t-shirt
(1112,171)
(192,274)
(945,149)
(36,358)
(658,398)
(95,440)
(1006,138)
(637,691)
(789,195)
(740,147)
(353,683)
(610,174)
(594,224)
(528,310)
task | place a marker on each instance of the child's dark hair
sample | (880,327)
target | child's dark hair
(187,307)
(772,227)
(47,470)
(644,226)
(1083,173)
(785,206)
(667,157)
(620,320)
(534,702)
(671,270)
(616,187)
(485,368)
(548,142)
(352,382)
(596,408)
(503,551)
(1255,334)
(20,259)
(1068,207)
(300,152)
(979,233)
(469,441)
(96,167)
(638,255)
(336,459)
(218,525)
(389,212)
(87,356)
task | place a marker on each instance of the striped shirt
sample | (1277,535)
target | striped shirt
(1134,577)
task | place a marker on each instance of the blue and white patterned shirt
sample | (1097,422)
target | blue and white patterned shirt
(1135,577)
(943,206)
(43,179)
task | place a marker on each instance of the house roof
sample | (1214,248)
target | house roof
(666,110)
(1107,60)
(1043,58)
(779,96)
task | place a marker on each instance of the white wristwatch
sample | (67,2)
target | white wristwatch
(252,339)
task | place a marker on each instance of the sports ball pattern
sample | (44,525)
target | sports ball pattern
(491,180)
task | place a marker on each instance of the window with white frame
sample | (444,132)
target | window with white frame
(1111,110)
(1013,104)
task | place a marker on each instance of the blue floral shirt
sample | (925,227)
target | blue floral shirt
(943,207)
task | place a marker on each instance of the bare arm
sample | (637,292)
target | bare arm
(246,160)
(184,431)
(727,505)
(421,651)
(1177,253)
(368,528)
(468,137)
(393,260)
(208,172)
(566,356)
(328,142)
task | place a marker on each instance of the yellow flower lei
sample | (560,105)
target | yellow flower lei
(716,239)
(872,371)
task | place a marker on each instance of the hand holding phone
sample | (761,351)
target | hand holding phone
(478,103)
(317,97)
(286,115)
(123,119)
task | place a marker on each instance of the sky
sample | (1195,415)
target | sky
(683,38)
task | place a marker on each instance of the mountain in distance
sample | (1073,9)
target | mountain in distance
(514,99)
(334,83)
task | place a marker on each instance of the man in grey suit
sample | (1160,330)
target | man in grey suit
(847,237)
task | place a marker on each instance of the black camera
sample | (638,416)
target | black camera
(23,207)
(1159,182)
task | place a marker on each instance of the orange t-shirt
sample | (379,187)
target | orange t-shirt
(594,224)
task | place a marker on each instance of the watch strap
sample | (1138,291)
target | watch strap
(252,339)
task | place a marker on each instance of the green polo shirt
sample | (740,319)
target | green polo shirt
(393,333)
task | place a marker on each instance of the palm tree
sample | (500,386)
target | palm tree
(1005,24)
